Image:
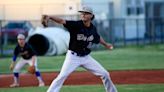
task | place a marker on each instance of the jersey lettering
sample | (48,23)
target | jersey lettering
(82,37)
(90,38)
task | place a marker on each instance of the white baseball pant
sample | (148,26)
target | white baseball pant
(22,62)
(72,62)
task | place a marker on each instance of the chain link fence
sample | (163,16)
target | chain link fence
(119,32)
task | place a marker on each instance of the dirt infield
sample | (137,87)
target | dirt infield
(83,78)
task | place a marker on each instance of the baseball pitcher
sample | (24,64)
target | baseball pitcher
(82,35)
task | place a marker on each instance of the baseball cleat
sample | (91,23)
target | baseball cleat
(41,84)
(14,85)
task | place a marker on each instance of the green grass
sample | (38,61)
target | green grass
(141,88)
(131,58)
(9,46)
(92,88)
(148,57)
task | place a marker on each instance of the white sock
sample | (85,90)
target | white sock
(39,79)
(16,80)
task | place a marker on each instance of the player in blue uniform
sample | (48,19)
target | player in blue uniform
(82,35)
(28,56)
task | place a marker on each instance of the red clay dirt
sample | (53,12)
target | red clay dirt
(83,78)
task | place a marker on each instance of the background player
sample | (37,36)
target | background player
(82,35)
(28,56)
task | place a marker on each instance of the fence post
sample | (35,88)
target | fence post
(124,31)
(153,31)
(1,43)
(161,30)
(137,29)
(111,36)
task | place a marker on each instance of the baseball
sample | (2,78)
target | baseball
(111,47)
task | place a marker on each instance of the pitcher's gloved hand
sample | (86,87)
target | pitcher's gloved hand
(44,20)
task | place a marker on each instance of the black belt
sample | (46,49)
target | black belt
(78,54)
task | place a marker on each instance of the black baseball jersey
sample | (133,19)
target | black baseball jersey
(81,37)
(26,52)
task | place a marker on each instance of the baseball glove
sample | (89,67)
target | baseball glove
(31,69)
(44,21)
